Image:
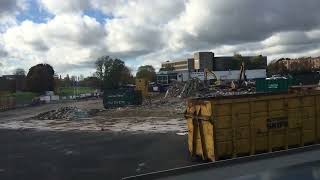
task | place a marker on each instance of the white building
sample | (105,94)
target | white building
(226,68)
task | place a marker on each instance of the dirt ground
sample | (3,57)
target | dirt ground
(113,143)
(136,119)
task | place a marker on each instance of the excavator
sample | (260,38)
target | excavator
(206,81)
(241,82)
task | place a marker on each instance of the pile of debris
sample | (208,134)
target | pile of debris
(185,89)
(65,113)
(197,88)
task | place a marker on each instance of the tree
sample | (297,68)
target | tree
(277,68)
(67,81)
(40,78)
(236,61)
(112,72)
(81,77)
(100,66)
(91,81)
(57,82)
(146,72)
(19,71)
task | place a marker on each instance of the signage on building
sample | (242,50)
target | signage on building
(199,75)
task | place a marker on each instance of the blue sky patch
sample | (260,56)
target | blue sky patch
(98,15)
(34,13)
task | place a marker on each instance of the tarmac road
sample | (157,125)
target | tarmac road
(47,155)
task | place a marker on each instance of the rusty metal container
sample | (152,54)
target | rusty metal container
(234,126)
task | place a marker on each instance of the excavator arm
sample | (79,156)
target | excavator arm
(206,72)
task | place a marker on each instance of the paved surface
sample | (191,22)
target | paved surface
(300,163)
(29,154)
(114,143)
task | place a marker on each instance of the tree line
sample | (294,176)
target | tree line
(111,73)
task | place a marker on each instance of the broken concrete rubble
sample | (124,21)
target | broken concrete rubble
(184,89)
(196,88)
(66,113)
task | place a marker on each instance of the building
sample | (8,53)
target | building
(225,67)
(228,67)
(203,60)
(181,68)
(166,77)
(311,63)
(180,64)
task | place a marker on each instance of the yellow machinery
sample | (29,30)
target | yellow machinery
(206,72)
(233,126)
(142,85)
(242,78)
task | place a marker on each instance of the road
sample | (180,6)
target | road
(32,154)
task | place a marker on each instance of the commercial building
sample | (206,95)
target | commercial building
(180,68)
(179,64)
(226,68)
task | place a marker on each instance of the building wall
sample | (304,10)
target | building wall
(177,64)
(225,67)
(235,74)
(226,63)
(183,75)
(231,75)
(203,60)
(190,64)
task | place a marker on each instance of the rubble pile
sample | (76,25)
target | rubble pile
(184,89)
(196,88)
(66,113)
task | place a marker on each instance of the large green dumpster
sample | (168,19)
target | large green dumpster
(274,84)
(121,97)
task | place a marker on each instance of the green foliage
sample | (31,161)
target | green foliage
(24,97)
(255,62)
(112,72)
(40,78)
(236,61)
(91,81)
(68,91)
(146,72)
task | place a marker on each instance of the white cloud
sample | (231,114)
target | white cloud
(65,39)
(147,32)
(65,6)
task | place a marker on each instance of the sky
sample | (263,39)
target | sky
(71,34)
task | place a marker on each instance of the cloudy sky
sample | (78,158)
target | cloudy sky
(71,34)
